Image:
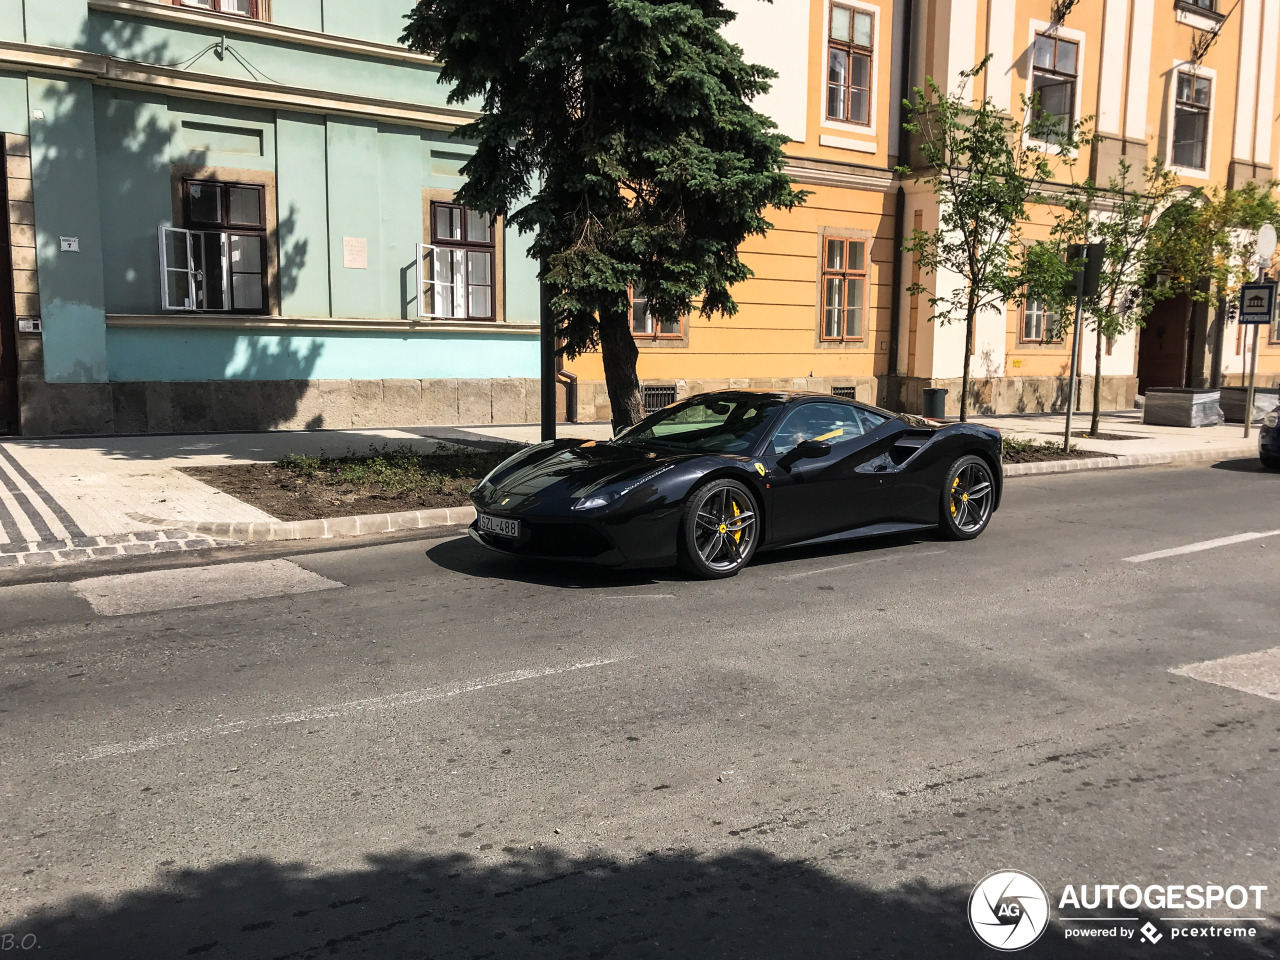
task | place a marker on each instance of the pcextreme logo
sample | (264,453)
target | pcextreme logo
(1009,910)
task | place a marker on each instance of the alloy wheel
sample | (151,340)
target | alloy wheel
(972,497)
(725,529)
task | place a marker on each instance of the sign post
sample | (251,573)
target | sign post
(1258,307)
(1088,280)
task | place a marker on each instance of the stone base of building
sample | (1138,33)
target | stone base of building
(104,409)
(1260,380)
(1001,395)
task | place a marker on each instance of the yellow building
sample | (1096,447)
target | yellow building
(827,308)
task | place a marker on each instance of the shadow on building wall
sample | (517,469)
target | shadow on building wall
(194,378)
(747,904)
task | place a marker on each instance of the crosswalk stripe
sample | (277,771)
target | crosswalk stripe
(58,510)
(38,522)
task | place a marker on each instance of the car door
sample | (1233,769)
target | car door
(849,487)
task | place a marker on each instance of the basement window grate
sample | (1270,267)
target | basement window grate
(848,393)
(655,398)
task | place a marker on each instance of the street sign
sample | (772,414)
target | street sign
(1088,259)
(1257,303)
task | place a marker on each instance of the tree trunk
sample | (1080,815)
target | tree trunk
(968,355)
(1097,383)
(619,353)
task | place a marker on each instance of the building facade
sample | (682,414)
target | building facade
(828,306)
(220,216)
(237,214)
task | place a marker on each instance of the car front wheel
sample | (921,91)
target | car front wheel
(719,530)
(968,498)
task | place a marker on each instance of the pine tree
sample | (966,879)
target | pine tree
(621,134)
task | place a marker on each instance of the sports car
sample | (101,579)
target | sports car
(707,482)
(1269,440)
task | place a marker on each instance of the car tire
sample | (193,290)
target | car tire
(968,499)
(1269,462)
(719,530)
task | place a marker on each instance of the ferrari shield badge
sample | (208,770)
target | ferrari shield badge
(760,469)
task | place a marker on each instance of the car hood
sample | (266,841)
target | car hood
(568,473)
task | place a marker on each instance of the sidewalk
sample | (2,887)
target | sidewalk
(76,499)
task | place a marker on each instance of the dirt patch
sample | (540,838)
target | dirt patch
(382,481)
(1084,435)
(1035,451)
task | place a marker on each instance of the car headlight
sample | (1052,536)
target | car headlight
(1271,419)
(594,501)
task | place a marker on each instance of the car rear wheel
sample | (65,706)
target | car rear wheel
(719,530)
(968,498)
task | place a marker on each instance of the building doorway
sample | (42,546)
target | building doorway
(1163,345)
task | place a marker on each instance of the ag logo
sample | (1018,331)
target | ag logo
(1008,910)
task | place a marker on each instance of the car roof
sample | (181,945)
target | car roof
(786,396)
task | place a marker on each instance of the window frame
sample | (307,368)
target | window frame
(225,228)
(1044,324)
(1190,106)
(467,246)
(653,333)
(1056,74)
(851,49)
(845,274)
(257,8)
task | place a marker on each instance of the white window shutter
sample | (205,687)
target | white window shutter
(177,271)
(428,286)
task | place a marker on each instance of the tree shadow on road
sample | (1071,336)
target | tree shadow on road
(745,905)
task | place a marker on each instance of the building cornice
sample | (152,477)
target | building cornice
(131,74)
(206,321)
(243,26)
(830,173)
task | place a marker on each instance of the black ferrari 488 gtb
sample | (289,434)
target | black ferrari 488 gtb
(710,480)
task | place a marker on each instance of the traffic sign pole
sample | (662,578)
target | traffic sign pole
(1253,369)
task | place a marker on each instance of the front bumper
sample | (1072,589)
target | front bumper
(1269,443)
(553,540)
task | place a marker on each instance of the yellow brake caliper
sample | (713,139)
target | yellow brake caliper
(954,485)
(737,534)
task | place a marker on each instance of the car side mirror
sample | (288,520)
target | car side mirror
(812,450)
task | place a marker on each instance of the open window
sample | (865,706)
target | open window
(456,271)
(252,9)
(217,261)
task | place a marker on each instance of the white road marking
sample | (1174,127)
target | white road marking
(197,586)
(635,596)
(1202,545)
(331,712)
(1257,673)
(857,563)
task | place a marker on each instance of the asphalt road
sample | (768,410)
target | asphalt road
(422,750)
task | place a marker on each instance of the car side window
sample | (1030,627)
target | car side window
(870,420)
(832,423)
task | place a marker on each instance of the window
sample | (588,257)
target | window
(844,282)
(456,270)
(1040,324)
(1209,5)
(1191,120)
(849,65)
(828,422)
(1053,80)
(643,324)
(217,261)
(239,8)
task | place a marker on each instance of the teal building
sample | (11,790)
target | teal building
(238,215)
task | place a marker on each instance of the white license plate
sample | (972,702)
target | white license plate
(499,525)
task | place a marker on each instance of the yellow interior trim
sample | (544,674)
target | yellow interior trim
(838,432)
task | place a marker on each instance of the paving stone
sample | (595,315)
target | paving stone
(146,536)
(14,547)
(195,543)
(52,545)
(177,534)
(114,551)
(71,555)
(166,546)
(8,560)
(134,549)
(85,542)
(117,539)
(40,559)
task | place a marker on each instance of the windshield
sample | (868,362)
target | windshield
(732,423)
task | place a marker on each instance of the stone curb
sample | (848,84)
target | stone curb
(319,529)
(80,549)
(1128,460)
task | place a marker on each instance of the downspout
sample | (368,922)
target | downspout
(570,382)
(900,213)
